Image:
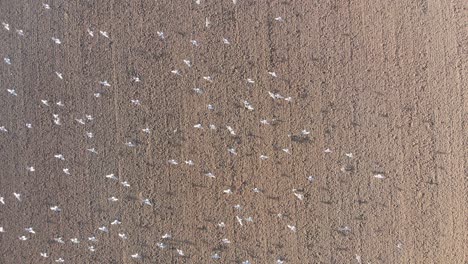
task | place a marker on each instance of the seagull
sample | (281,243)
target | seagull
(112,177)
(56,119)
(136,79)
(92,150)
(23,238)
(246,262)
(379,176)
(91,248)
(75,240)
(227,191)
(180,252)
(166,236)
(30,230)
(231,130)
(344,229)
(250,80)
(59,156)
(305,132)
(210,107)
(6,26)
(55,209)
(104,33)
(208,78)
(173,162)
(249,219)
(7,60)
(136,256)
(212,127)
(103,229)
(209,174)
(80,120)
(161,245)
(59,103)
(45,102)
(56,40)
(198,90)
(3,129)
(189,162)
(92,239)
(12,92)
(279,261)
(31,169)
(89,134)
(256,190)
(188,63)
(248,106)
(239,220)
(292,228)
(232,151)
(289,99)
(123,236)
(116,222)
(46,6)
(125,184)
(221,224)
(207,20)
(273,74)
(59,240)
(280,19)
(60,260)
(28,125)
(310,178)
(130,144)
(194,43)
(2,200)
(263,157)
(215,256)
(2,230)
(104,83)
(358,259)
(238,207)
(349,155)
(286,151)
(44,255)
(91,33)
(89,117)
(225,241)
(59,75)
(17,196)
(113,199)
(176,72)
(161,34)
(299,196)
(226,41)
(135,101)
(327,150)
(147,202)
(20,32)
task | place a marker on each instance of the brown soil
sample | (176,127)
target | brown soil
(383,80)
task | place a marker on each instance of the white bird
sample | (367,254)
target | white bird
(104,33)
(89,117)
(310,178)
(273,74)
(57,119)
(239,220)
(55,208)
(20,32)
(344,229)
(59,240)
(161,34)
(209,174)
(93,150)
(349,155)
(249,219)
(3,129)
(80,120)
(90,32)
(289,99)
(60,75)
(194,43)
(59,156)
(189,162)
(12,92)
(91,248)
(2,230)
(135,101)
(7,60)
(226,41)
(23,238)
(104,83)
(31,169)
(59,103)
(161,245)
(379,176)
(147,202)
(166,236)
(250,80)
(6,26)
(232,151)
(358,259)
(130,144)
(305,132)
(279,19)
(103,229)
(113,199)
(17,196)
(173,162)
(225,241)
(208,78)
(212,127)
(263,157)
(136,79)
(215,256)
(292,228)
(89,134)
(92,239)
(221,224)
(279,261)
(246,262)
(75,240)
(60,260)
(28,125)
(30,230)
(116,222)
(123,236)
(125,184)
(56,40)
(227,191)
(46,6)
(210,107)
(136,256)
(44,255)
(188,63)
(180,252)
(299,196)
(176,72)
(207,20)
(2,200)
(286,151)
(66,171)
(256,190)
(146,130)
(44,102)
(231,130)
(327,150)
(198,90)
(112,177)
(238,207)
(248,106)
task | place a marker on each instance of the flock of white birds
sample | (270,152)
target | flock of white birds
(112,225)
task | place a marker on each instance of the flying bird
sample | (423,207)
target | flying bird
(56,40)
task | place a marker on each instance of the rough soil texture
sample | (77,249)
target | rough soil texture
(383,80)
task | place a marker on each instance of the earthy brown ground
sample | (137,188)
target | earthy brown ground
(384,80)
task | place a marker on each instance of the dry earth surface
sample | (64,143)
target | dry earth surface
(381,84)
